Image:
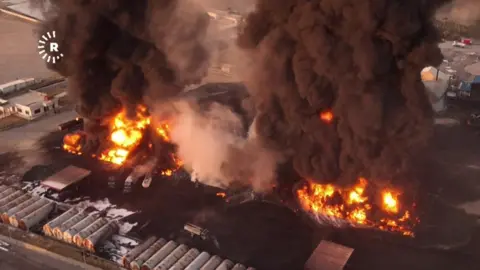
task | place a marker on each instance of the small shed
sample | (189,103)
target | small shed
(65,178)
(329,256)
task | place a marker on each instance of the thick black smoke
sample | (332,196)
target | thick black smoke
(119,53)
(359,59)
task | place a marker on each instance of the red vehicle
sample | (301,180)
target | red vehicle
(467,41)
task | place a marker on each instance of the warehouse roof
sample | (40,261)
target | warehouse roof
(66,177)
(27,98)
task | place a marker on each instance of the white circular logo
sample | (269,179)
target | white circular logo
(48,48)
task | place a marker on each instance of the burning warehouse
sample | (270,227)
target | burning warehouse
(340,107)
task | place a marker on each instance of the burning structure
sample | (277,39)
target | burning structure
(341,104)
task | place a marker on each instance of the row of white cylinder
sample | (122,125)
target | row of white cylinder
(160,254)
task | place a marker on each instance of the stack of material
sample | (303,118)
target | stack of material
(329,255)
(81,228)
(158,254)
(22,210)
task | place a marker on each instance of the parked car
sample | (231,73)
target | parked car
(458,44)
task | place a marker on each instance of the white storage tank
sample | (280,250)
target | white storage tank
(239,266)
(144,256)
(213,263)
(136,251)
(172,258)
(225,265)
(60,229)
(199,261)
(47,228)
(35,217)
(6,214)
(186,259)
(159,255)
(72,231)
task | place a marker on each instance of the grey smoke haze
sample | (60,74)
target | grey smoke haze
(215,145)
(461,11)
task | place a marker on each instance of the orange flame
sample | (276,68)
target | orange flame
(326,117)
(354,206)
(221,194)
(125,135)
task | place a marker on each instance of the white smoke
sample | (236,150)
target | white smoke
(216,147)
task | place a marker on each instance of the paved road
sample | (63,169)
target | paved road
(17,258)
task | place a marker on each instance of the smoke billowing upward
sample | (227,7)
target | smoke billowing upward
(119,53)
(360,60)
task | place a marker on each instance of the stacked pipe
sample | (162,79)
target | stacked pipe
(144,256)
(17,208)
(159,254)
(15,218)
(61,228)
(84,223)
(36,216)
(135,252)
(90,229)
(100,235)
(48,228)
(12,204)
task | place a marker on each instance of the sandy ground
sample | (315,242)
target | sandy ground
(18,53)
(464,61)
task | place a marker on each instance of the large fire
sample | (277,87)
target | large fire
(353,206)
(125,135)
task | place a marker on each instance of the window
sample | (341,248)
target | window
(37,111)
(19,110)
(27,112)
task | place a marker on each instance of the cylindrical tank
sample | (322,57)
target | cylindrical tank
(136,251)
(6,192)
(250,268)
(159,255)
(15,202)
(225,265)
(36,216)
(3,188)
(212,263)
(186,259)
(60,229)
(15,218)
(72,231)
(144,256)
(96,225)
(11,197)
(172,258)
(239,266)
(199,261)
(47,228)
(6,215)
(100,235)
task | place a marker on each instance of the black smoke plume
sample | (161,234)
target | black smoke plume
(120,53)
(360,60)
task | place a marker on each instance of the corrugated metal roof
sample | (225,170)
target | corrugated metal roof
(465,86)
(66,177)
(329,256)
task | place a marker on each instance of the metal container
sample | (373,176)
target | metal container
(11,197)
(186,259)
(239,266)
(95,226)
(212,263)
(60,229)
(15,202)
(6,215)
(72,231)
(47,228)
(36,216)
(15,218)
(100,235)
(199,261)
(159,255)
(225,265)
(144,256)
(172,258)
(136,251)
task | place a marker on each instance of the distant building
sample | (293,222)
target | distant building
(17,85)
(29,105)
(436,83)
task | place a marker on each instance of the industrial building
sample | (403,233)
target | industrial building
(33,100)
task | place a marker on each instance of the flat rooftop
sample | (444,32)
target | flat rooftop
(27,98)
